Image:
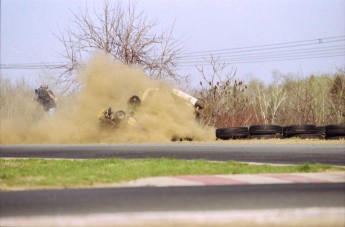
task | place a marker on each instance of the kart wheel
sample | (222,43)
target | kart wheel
(200,103)
(119,115)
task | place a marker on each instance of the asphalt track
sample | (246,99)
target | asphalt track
(333,154)
(153,199)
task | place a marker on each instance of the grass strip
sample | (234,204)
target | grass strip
(52,173)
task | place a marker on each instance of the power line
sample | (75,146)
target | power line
(231,61)
(271,57)
(48,65)
(236,57)
(250,53)
(308,49)
(305,49)
(269,60)
(268,46)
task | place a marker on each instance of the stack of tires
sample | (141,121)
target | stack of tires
(278,132)
(265,132)
(232,133)
(315,132)
(334,131)
(302,131)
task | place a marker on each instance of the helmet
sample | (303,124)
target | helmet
(134,100)
(44,86)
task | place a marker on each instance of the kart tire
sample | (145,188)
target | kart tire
(232,133)
(270,136)
(321,130)
(265,130)
(309,136)
(334,131)
(119,115)
(296,130)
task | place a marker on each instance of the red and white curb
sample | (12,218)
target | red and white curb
(240,179)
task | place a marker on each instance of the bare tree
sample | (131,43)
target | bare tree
(125,34)
(337,97)
(259,102)
(300,104)
(224,96)
(277,97)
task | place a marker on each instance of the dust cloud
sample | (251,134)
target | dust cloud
(106,83)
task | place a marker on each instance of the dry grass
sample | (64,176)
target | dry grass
(43,173)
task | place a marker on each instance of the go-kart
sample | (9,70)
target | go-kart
(121,119)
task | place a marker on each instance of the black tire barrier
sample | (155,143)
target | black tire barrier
(334,131)
(265,130)
(270,136)
(321,130)
(309,136)
(297,130)
(276,131)
(232,133)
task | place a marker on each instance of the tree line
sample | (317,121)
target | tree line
(316,99)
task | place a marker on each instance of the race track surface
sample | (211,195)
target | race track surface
(333,154)
(190,198)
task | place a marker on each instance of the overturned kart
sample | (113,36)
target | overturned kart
(120,119)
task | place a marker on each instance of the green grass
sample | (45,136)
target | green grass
(42,173)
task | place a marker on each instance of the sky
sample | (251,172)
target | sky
(234,30)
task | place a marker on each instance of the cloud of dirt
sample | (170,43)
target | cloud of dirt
(106,83)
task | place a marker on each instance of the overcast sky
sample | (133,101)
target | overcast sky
(27,28)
